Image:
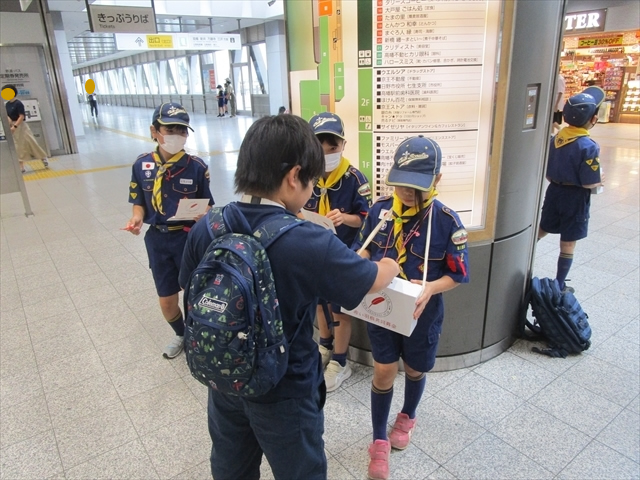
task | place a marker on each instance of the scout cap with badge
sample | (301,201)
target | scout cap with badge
(171,114)
(581,108)
(416,164)
(327,122)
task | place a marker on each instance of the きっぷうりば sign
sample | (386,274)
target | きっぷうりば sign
(114,19)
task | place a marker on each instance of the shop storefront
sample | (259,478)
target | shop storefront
(600,47)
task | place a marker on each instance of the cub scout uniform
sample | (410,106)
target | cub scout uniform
(159,190)
(573,162)
(351,195)
(447,256)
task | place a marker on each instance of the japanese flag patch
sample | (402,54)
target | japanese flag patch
(148,165)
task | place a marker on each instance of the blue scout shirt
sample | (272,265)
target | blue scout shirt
(308,262)
(573,158)
(447,252)
(188,178)
(351,195)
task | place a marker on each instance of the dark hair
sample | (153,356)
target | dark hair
(329,138)
(271,147)
(12,87)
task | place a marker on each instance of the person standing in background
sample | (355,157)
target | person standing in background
(220,97)
(26,144)
(94,105)
(231,97)
(558,103)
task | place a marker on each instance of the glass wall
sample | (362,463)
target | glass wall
(193,74)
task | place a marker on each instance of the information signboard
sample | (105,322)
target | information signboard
(422,67)
(116,19)
(179,41)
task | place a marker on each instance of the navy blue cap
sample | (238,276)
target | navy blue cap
(327,122)
(171,114)
(581,108)
(416,163)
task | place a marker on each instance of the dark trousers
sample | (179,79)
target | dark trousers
(94,108)
(288,432)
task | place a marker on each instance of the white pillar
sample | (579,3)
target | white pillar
(69,83)
(278,86)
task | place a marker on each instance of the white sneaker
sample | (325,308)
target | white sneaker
(326,355)
(335,374)
(174,348)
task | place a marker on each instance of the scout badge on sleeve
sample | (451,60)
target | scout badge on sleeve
(392,308)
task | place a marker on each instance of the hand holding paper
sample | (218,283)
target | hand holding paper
(318,219)
(189,209)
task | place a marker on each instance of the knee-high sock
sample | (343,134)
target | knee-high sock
(564,265)
(380,406)
(177,323)
(413,389)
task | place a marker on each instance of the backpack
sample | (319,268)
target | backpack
(234,337)
(558,318)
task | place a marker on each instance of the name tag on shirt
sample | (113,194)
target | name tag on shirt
(186,181)
(148,165)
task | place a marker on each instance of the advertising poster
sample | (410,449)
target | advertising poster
(393,69)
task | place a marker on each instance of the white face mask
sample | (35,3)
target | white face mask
(173,143)
(331,161)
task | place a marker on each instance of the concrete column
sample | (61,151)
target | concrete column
(278,86)
(69,83)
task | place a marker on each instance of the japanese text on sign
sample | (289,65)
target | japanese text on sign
(122,19)
(600,42)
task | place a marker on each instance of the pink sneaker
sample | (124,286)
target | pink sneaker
(379,463)
(400,435)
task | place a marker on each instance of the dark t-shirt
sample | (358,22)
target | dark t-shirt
(15,109)
(308,262)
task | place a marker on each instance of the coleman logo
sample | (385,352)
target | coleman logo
(408,158)
(212,304)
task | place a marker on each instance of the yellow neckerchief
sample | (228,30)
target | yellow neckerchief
(568,135)
(156,198)
(333,178)
(400,218)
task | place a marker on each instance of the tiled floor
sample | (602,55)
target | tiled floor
(85,393)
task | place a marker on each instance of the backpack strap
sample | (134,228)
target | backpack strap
(217,225)
(269,231)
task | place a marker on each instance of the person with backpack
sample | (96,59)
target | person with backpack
(343,195)
(279,162)
(418,220)
(573,169)
(159,180)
